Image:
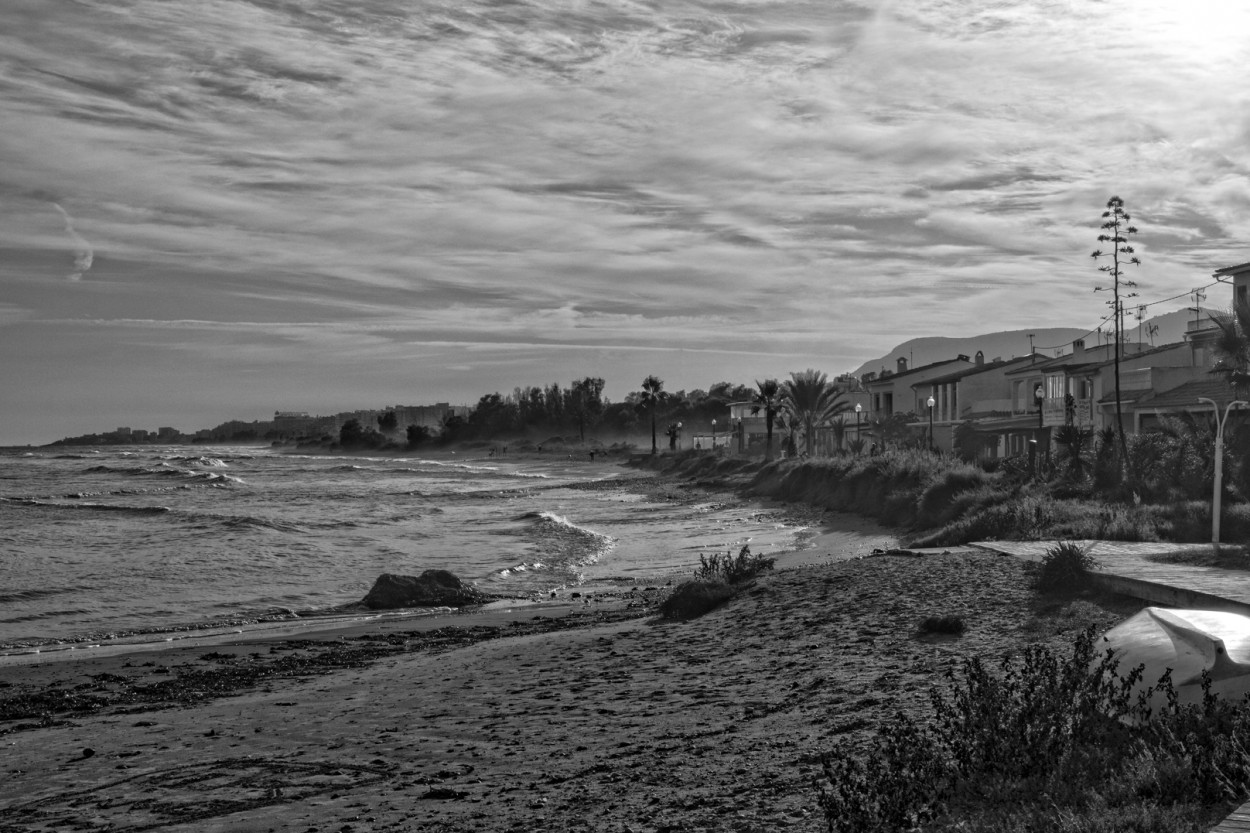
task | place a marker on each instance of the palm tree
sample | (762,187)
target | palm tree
(652,388)
(767,398)
(1076,441)
(812,401)
(1232,345)
(839,426)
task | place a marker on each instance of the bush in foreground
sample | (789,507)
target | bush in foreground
(715,582)
(1065,568)
(1047,743)
(692,599)
(731,570)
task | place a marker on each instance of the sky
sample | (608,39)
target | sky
(215,209)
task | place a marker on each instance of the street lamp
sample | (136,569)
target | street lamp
(713,435)
(1219,467)
(677,436)
(741,435)
(932,402)
(859,444)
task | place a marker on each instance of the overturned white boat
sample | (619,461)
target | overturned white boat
(1189,642)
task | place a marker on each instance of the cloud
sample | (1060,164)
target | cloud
(778,179)
(84,255)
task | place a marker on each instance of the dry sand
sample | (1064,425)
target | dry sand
(594,716)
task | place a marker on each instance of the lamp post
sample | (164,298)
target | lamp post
(677,437)
(932,402)
(1039,396)
(1219,467)
(741,435)
(858,442)
(713,435)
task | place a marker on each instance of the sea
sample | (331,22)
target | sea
(150,543)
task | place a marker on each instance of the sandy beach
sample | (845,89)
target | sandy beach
(590,714)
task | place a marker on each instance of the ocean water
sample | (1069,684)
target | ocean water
(100,542)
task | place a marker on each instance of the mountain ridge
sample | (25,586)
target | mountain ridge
(1006,344)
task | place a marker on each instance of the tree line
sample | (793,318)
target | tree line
(800,406)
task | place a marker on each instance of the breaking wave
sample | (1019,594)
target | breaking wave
(213,477)
(561,544)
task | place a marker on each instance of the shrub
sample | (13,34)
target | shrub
(1064,568)
(937,501)
(692,599)
(1075,443)
(1046,739)
(1107,474)
(732,570)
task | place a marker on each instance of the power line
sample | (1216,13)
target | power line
(1140,306)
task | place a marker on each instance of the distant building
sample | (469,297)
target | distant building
(290,425)
(428,416)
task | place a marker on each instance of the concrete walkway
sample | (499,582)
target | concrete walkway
(1126,567)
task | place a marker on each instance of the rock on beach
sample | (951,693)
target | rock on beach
(433,588)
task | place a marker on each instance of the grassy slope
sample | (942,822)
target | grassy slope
(943,502)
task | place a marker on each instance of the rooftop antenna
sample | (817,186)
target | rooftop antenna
(1141,315)
(1199,295)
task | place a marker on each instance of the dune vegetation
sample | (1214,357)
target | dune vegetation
(943,500)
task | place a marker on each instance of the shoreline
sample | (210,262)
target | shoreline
(584,719)
(823,534)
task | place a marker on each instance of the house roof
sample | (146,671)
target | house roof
(1129,397)
(895,376)
(1040,363)
(1229,270)
(972,371)
(1215,387)
(1067,363)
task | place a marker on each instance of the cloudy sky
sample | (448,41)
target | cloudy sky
(213,209)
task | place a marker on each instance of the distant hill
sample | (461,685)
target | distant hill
(1007,344)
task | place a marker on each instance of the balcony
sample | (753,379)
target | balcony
(1004,406)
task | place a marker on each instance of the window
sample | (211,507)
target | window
(1055,386)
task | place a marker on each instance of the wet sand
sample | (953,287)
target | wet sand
(586,715)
